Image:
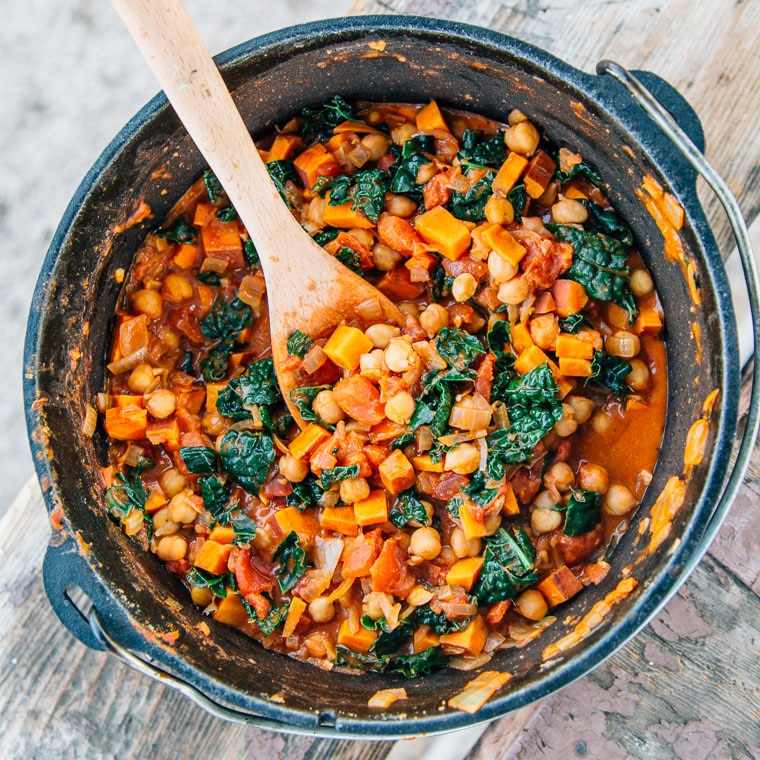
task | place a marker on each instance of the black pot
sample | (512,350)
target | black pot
(153,160)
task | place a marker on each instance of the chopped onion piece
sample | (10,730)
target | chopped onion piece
(483,446)
(328,553)
(90,420)
(341,590)
(471,413)
(370,310)
(251,291)
(247,425)
(212,264)
(128,362)
(315,357)
(477,692)
(460,662)
(459,609)
(103,401)
(493,641)
(456,438)
(386,697)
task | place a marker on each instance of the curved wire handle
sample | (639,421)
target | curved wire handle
(693,155)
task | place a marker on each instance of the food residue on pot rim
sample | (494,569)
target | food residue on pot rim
(142,212)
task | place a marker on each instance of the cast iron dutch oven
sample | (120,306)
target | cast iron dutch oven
(134,609)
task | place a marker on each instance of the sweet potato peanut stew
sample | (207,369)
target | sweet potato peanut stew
(458,479)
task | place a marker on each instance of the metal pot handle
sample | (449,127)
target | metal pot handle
(751,322)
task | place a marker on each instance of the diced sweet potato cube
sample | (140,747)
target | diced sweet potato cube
(205,213)
(346,345)
(213,557)
(430,117)
(649,322)
(222,534)
(443,230)
(572,347)
(572,367)
(340,519)
(295,612)
(316,162)
(560,586)
(521,337)
(424,638)
(510,506)
(186,256)
(361,553)
(509,172)
(398,286)
(396,473)
(472,527)
(569,296)
(283,147)
(424,463)
(133,334)
(166,432)
(359,399)
(221,240)
(373,510)
(464,572)
(472,639)
(358,641)
(308,440)
(345,217)
(539,173)
(126,423)
(230,611)
(531,358)
(503,242)
(212,393)
(290,519)
(155,501)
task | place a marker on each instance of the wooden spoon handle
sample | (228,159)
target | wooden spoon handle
(180,61)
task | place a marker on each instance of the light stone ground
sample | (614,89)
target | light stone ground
(70,77)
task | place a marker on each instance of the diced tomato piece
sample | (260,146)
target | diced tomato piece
(525,484)
(484,380)
(390,571)
(398,234)
(359,399)
(360,554)
(448,484)
(252,574)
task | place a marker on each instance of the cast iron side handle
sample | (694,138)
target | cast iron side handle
(751,322)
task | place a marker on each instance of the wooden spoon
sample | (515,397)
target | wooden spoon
(307,288)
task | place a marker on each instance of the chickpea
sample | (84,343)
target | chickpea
(463,459)
(410,308)
(399,205)
(618,500)
(162,524)
(569,211)
(418,596)
(147,301)
(201,596)
(638,377)
(170,338)
(567,425)
(463,546)
(499,210)
(172,481)
(176,288)
(403,132)
(531,604)
(522,138)
(545,520)
(601,422)
(292,469)
(214,424)
(372,605)
(463,288)
(425,543)
(161,403)
(171,548)
(560,475)
(544,329)
(535,224)
(400,356)
(623,343)
(180,509)
(372,365)
(381,334)
(321,610)
(353,490)
(583,408)
(545,500)
(425,173)
(141,379)
(325,407)
(400,407)
(492,523)
(365,237)
(376,144)
(593,477)
(641,283)
(514,292)
(433,319)
(515,117)
(384,257)
(500,269)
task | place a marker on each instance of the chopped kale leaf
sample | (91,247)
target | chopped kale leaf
(581,169)
(273,618)
(281,171)
(215,496)
(351,259)
(179,232)
(457,347)
(583,512)
(408,507)
(306,494)
(216,584)
(227,214)
(226,318)
(337,474)
(607,221)
(486,153)
(518,197)
(247,456)
(200,460)
(610,372)
(480,489)
(214,189)
(365,190)
(251,255)
(438,621)
(508,566)
(257,386)
(299,343)
(303,398)
(292,561)
(320,121)
(471,204)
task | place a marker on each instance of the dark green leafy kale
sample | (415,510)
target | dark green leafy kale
(251,255)
(471,204)
(186,363)
(607,221)
(247,456)
(306,494)
(518,197)
(215,496)
(365,190)
(292,561)
(578,170)
(216,584)
(498,337)
(503,371)
(583,513)
(440,283)
(408,507)
(320,121)
(214,188)
(303,398)
(179,232)
(351,259)
(408,665)
(280,172)
(600,264)
(269,624)
(485,153)
(126,493)
(225,318)
(610,372)
(480,489)
(508,566)
(573,323)
(258,386)
(200,460)
(299,343)
(209,278)
(241,524)
(403,170)
(533,409)
(214,366)
(457,347)
(438,621)
(337,474)
(323,237)
(390,640)
(227,214)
